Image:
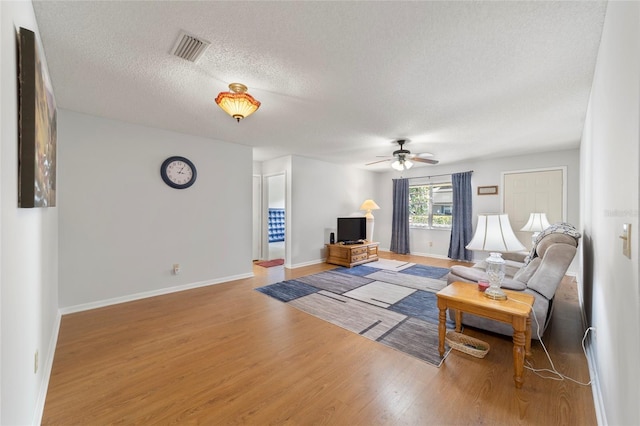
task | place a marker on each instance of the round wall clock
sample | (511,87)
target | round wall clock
(178,172)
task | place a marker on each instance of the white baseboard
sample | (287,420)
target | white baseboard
(46,371)
(596,390)
(144,295)
(598,401)
(300,265)
(437,256)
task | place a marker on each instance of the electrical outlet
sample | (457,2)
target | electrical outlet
(430,243)
(35,363)
(176,268)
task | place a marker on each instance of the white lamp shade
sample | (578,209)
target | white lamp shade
(537,222)
(494,233)
(369,205)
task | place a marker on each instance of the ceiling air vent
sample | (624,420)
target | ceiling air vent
(189,47)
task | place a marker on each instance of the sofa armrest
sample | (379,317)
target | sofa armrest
(511,268)
(511,284)
(469,274)
(474,274)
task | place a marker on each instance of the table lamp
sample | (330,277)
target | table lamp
(494,234)
(369,205)
(537,222)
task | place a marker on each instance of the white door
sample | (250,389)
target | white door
(534,191)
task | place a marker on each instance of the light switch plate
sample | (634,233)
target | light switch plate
(626,239)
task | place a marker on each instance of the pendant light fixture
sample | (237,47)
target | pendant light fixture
(237,102)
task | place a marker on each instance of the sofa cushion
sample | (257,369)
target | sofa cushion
(556,233)
(550,239)
(515,256)
(526,272)
(548,275)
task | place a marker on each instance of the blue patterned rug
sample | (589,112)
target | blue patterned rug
(392,303)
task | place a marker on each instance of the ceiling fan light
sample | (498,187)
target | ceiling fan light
(237,103)
(403,159)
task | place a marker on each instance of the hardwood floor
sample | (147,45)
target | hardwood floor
(227,354)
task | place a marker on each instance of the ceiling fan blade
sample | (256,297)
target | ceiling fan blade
(379,161)
(425,160)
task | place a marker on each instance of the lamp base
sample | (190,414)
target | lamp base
(370,223)
(495,293)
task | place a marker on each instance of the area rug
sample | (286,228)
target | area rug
(391,302)
(270,263)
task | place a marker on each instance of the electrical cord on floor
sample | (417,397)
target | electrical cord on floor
(558,376)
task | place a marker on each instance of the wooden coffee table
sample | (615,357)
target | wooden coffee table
(516,310)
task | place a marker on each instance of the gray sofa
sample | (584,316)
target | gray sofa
(538,274)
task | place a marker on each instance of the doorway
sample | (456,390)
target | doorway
(276,217)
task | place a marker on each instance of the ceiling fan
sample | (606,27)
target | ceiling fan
(403,159)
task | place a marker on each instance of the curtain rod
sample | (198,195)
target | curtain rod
(444,174)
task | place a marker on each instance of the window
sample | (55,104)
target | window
(431,206)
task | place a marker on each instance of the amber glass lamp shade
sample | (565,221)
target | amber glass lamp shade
(237,103)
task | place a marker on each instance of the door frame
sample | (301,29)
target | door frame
(265,214)
(257,208)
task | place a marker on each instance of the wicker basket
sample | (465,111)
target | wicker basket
(469,345)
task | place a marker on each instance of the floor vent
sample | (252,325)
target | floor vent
(189,47)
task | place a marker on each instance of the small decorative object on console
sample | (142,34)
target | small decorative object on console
(495,272)
(483,285)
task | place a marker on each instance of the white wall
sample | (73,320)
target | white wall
(485,173)
(276,192)
(320,192)
(28,254)
(609,189)
(122,228)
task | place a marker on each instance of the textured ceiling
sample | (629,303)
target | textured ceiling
(338,81)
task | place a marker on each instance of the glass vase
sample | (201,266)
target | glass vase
(495,273)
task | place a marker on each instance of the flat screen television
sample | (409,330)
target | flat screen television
(352,229)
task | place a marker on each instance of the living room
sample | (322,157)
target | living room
(117,230)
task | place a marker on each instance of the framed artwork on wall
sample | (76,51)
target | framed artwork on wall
(488,190)
(37,126)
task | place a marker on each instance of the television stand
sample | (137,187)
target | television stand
(352,254)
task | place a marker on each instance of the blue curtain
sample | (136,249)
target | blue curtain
(462,228)
(400,225)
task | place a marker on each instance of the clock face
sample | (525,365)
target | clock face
(178,172)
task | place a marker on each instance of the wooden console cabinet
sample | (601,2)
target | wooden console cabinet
(352,255)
